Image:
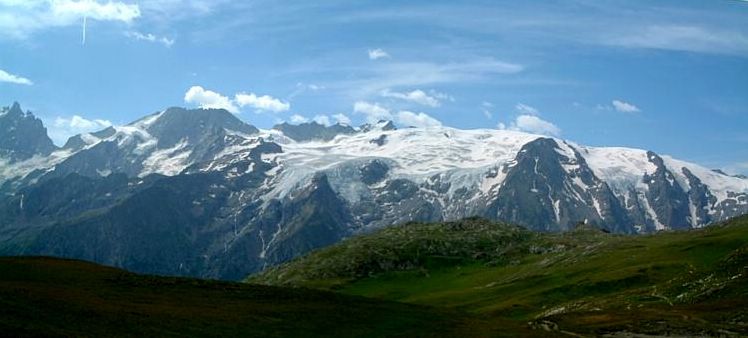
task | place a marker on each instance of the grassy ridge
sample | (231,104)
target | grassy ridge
(52,297)
(471,278)
(581,282)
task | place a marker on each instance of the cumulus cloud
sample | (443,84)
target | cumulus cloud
(261,103)
(296,119)
(209,99)
(409,118)
(322,119)
(150,38)
(625,107)
(372,111)
(378,53)
(528,121)
(417,96)
(21,18)
(535,125)
(10,78)
(65,127)
(342,119)
(204,98)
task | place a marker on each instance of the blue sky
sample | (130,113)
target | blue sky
(670,76)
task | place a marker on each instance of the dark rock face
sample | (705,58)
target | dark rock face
(197,134)
(540,193)
(374,172)
(77,143)
(700,197)
(666,196)
(22,135)
(383,125)
(380,141)
(313,131)
(194,125)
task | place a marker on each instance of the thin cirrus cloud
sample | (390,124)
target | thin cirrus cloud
(20,19)
(15,79)
(525,109)
(486,109)
(381,77)
(624,24)
(691,38)
(149,37)
(204,98)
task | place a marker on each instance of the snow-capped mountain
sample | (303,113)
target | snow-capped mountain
(201,193)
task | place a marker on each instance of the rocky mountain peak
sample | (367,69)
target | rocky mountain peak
(383,125)
(22,135)
(313,131)
(176,124)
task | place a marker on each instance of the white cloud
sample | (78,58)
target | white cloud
(528,121)
(534,124)
(65,127)
(302,87)
(377,78)
(684,38)
(10,78)
(21,18)
(417,96)
(486,108)
(525,109)
(297,119)
(373,111)
(378,53)
(625,107)
(150,38)
(420,120)
(342,119)
(209,99)
(322,119)
(262,103)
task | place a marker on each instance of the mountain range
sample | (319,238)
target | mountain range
(198,192)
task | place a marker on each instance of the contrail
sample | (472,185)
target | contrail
(83,41)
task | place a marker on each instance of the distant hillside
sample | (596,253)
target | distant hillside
(582,282)
(45,297)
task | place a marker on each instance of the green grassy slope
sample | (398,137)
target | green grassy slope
(581,282)
(52,297)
